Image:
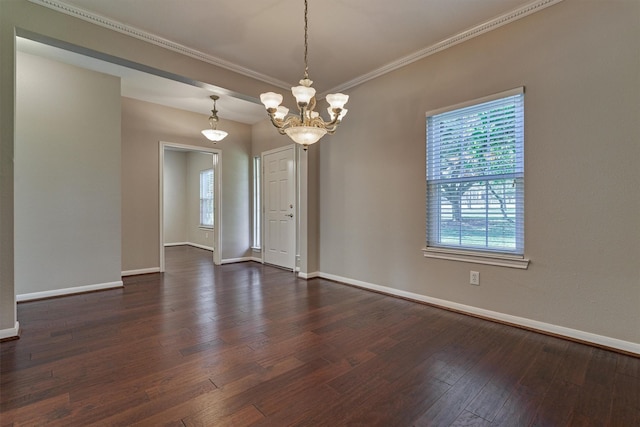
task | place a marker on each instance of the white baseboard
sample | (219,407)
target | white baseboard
(587,337)
(141,271)
(234,260)
(195,245)
(256,259)
(68,291)
(11,332)
(307,276)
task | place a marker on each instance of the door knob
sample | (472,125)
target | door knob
(289,215)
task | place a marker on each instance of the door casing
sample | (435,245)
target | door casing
(284,255)
(217,230)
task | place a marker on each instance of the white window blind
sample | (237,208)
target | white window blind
(206,198)
(475,175)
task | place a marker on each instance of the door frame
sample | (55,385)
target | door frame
(217,171)
(296,209)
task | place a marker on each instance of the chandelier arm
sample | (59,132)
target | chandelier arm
(274,121)
(306,109)
(286,122)
(319,122)
(291,121)
(336,118)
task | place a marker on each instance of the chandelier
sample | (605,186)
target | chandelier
(307,127)
(214,134)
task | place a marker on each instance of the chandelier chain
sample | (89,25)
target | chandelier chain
(306,43)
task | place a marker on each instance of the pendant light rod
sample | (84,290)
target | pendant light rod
(213,133)
(306,39)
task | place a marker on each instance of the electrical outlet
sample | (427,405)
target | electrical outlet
(474,278)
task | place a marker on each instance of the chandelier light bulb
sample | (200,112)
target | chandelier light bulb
(281,112)
(337,100)
(332,114)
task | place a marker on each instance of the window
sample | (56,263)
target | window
(475,175)
(206,198)
(257,217)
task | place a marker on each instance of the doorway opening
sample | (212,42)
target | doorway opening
(189,178)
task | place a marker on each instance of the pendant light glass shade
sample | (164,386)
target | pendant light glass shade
(337,100)
(214,134)
(271,99)
(303,94)
(305,135)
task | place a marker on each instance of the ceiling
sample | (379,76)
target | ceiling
(350,41)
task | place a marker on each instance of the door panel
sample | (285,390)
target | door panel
(279,208)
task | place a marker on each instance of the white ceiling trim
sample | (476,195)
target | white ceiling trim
(490,25)
(156,40)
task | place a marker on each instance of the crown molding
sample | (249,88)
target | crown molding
(463,36)
(156,40)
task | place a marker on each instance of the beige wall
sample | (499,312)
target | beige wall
(8,317)
(67,177)
(265,137)
(175,197)
(144,126)
(580,63)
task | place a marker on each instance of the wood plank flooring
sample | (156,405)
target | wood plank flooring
(251,345)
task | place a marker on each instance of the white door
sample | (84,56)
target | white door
(279,208)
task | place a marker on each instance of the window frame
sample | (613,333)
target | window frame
(204,199)
(257,203)
(482,255)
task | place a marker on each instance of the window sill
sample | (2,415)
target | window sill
(477,258)
(204,227)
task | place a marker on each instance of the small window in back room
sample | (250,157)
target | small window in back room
(206,198)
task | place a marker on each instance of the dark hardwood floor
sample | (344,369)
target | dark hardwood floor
(251,345)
